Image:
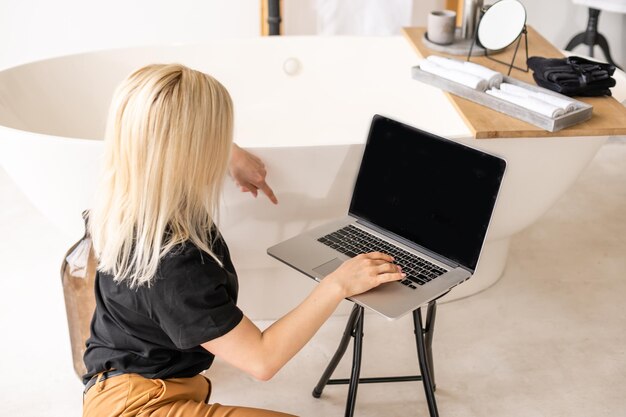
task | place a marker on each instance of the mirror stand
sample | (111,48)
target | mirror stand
(511,65)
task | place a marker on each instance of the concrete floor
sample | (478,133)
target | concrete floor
(547,340)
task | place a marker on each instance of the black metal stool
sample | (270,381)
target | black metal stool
(591,37)
(354,328)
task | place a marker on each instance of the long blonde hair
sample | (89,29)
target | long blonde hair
(167,145)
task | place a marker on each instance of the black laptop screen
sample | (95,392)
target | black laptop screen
(432,191)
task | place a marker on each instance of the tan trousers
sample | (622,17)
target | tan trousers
(131,395)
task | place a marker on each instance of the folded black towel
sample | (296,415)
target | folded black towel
(573,76)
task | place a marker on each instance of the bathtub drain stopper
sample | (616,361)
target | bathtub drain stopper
(291,66)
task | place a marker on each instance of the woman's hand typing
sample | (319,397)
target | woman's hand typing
(364,272)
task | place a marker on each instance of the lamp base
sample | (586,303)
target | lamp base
(460,45)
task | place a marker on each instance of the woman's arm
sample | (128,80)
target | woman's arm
(262,354)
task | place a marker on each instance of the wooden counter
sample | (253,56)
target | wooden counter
(609,116)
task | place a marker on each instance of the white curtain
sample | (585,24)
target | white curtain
(363,17)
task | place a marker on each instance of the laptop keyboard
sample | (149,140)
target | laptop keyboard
(353,241)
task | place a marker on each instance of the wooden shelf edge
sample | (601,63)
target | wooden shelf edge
(618,111)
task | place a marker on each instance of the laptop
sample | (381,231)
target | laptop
(425,200)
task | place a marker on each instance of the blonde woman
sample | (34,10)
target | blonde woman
(166,289)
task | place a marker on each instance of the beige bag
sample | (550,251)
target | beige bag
(78,273)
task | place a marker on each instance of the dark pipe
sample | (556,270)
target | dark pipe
(273,17)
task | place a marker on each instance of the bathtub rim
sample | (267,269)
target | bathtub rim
(172,44)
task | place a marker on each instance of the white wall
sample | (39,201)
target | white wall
(34,29)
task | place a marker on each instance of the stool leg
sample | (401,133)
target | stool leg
(423,362)
(575,41)
(431,315)
(356,364)
(341,350)
(604,46)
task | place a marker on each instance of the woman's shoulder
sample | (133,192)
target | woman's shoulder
(189,249)
(186,264)
(187,259)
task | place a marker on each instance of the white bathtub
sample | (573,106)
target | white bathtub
(308,126)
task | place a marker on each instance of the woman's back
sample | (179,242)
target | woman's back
(156,330)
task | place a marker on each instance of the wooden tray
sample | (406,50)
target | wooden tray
(583,110)
(609,116)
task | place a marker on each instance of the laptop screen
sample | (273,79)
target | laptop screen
(432,191)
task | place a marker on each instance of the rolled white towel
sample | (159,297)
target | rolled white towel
(494,78)
(529,103)
(466,79)
(565,104)
(446,62)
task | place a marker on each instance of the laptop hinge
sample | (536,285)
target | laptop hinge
(410,244)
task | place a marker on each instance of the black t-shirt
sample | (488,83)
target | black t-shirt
(157,331)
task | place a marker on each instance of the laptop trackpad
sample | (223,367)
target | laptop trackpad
(328,267)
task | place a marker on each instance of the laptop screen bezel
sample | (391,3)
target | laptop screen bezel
(377,118)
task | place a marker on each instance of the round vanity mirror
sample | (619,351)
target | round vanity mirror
(501,24)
